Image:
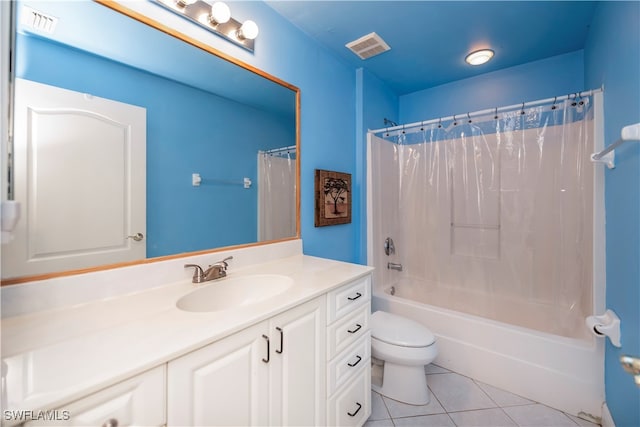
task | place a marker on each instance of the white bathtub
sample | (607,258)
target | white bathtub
(564,373)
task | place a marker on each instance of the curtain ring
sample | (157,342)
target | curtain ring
(422,126)
(403,130)
(440,123)
(522,110)
(387,132)
(455,123)
(469,117)
(495,117)
(553,107)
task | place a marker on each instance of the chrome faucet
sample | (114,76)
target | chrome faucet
(394,266)
(215,271)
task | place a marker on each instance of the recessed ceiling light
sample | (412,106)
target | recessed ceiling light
(479,57)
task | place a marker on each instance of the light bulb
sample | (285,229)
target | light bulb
(248,30)
(479,57)
(220,13)
(185,3)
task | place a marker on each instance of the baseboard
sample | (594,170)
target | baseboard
(607,419)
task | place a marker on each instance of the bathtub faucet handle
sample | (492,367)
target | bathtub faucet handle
(389,248)
(394,266)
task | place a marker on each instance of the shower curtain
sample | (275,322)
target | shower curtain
(491,215)
(276,195)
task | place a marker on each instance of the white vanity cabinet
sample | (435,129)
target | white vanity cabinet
(299,359)
(272,373)
(349,354)
(136,401)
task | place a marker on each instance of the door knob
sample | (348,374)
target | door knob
(137,237)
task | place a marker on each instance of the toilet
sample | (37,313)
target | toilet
(402,348)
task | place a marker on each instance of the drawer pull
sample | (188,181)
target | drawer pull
(356,362)
(111,422)
(358,295)
(268,352)
(358,327)
(281,340)
(356,411)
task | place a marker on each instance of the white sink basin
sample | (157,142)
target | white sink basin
(234,292)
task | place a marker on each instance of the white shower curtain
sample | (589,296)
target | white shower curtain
(276,196)
(492,217)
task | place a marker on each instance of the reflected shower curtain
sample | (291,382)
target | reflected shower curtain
(276,196)
(491,216)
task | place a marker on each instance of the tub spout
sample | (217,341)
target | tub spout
(394,266)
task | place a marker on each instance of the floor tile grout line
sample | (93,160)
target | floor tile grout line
(491,399)
(437,400)
(497,405)
(387,408)
(485,393)
(478,384)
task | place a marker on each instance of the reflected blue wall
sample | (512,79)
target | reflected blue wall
(188,131)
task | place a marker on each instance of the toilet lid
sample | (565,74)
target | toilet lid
(397,330)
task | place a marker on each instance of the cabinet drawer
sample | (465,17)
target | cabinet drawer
(137,401)
(347,364)
(347,330)
(347,298)
(351,406)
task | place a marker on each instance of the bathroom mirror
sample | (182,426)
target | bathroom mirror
(221,145)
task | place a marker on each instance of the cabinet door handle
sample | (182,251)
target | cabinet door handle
(356,362)
(358,295)
(356,411)
(281,340)
(268,351)
(358,327)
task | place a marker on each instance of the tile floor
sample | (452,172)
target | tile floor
(460,401)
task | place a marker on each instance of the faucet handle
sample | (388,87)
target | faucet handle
(198,274)
(224,263)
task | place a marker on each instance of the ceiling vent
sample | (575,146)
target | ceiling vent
(39,21)
(367,46)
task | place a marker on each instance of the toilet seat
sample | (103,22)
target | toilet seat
(399,331)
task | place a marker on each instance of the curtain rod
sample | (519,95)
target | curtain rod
(489,110)
(279,150)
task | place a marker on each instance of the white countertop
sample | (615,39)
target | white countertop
(51,358)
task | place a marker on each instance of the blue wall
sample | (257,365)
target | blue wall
(188,130)
(612,58)
(558,75)
(328,129)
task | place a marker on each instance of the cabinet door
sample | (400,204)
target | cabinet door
(137,401)
(297,371)
(225,383)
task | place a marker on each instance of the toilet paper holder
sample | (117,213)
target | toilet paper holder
(607,324)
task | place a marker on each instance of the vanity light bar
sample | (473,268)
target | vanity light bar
(199,12)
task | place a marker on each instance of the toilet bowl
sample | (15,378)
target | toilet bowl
(404,347)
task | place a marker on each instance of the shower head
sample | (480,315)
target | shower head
(388,122)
